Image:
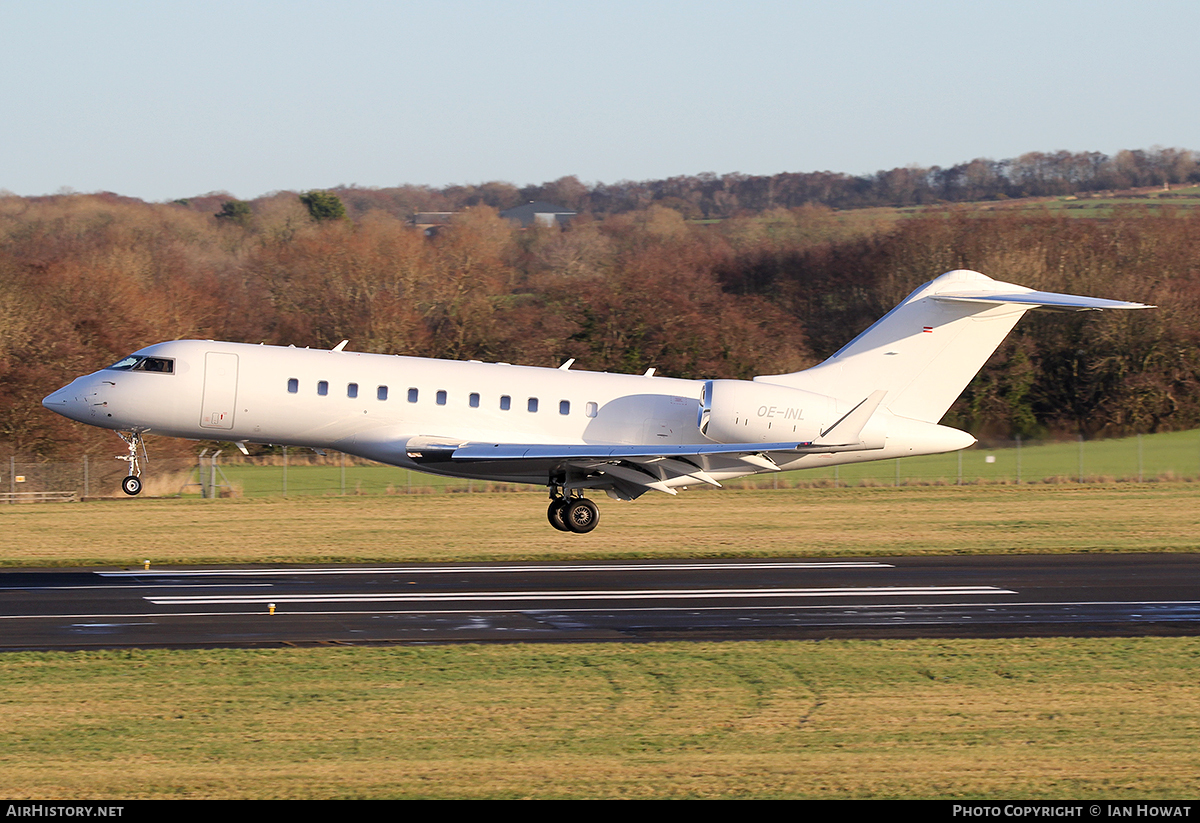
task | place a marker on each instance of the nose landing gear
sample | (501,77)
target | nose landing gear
(572,514)
(132,484)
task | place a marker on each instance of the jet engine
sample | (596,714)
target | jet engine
(738,411)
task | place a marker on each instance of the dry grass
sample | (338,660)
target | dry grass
(1068,718)
(788,522)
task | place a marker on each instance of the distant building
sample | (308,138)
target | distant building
(539,213)
(430,222)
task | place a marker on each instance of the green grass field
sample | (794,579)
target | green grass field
(1167,456)
(1180,201)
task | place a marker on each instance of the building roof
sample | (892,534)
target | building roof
(539,211)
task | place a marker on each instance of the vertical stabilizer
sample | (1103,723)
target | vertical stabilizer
(924,352)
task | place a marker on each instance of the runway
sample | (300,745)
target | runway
(968,596)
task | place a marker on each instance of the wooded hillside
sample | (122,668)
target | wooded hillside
(86,279)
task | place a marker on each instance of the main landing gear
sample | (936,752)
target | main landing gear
(572,514)
(132,484)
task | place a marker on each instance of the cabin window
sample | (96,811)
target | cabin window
(533,404)
(505,403)
(474,400)
(591,409)
(564,406)
(323,387)
(381,393)
(293,385)
(441,397)
(352,390)
(412,395)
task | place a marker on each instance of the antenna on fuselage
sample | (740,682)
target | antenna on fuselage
(340,346)
(567,365)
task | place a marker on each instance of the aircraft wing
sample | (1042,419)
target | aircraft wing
(629,470)
(516,451)
(626,470)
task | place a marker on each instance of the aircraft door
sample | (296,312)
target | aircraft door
(220,390)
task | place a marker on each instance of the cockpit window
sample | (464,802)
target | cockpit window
(159,364)
(126,364)
(163,365)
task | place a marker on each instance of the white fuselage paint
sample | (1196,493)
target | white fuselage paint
(240,392)
(879,397)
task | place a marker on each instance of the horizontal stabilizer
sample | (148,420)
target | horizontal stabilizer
(1040,300)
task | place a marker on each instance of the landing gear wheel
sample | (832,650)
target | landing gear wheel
(557,514)
(582,515)
(132,484)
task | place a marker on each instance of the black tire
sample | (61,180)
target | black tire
(131,485)
(582,515)
(557,514)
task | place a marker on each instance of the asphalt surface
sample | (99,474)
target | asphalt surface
(968,596)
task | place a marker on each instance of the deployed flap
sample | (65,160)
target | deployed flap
(636,477)
(673,467)
(761,461)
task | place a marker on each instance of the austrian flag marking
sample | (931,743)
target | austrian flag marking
(928,330)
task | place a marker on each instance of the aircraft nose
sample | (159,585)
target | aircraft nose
(67,401)
(57,401)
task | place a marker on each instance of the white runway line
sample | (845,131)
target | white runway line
(631,567)
(403,612)
(128,587)
(670,594)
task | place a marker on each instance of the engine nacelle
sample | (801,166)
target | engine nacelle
(738,411)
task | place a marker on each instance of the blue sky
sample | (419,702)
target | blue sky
(161,100)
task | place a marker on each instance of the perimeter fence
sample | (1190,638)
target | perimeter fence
(1173,456)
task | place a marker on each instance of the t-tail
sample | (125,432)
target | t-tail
(924,352)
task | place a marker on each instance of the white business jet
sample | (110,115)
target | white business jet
(879,397)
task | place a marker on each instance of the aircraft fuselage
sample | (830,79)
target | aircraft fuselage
(370,405)
(879,397)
